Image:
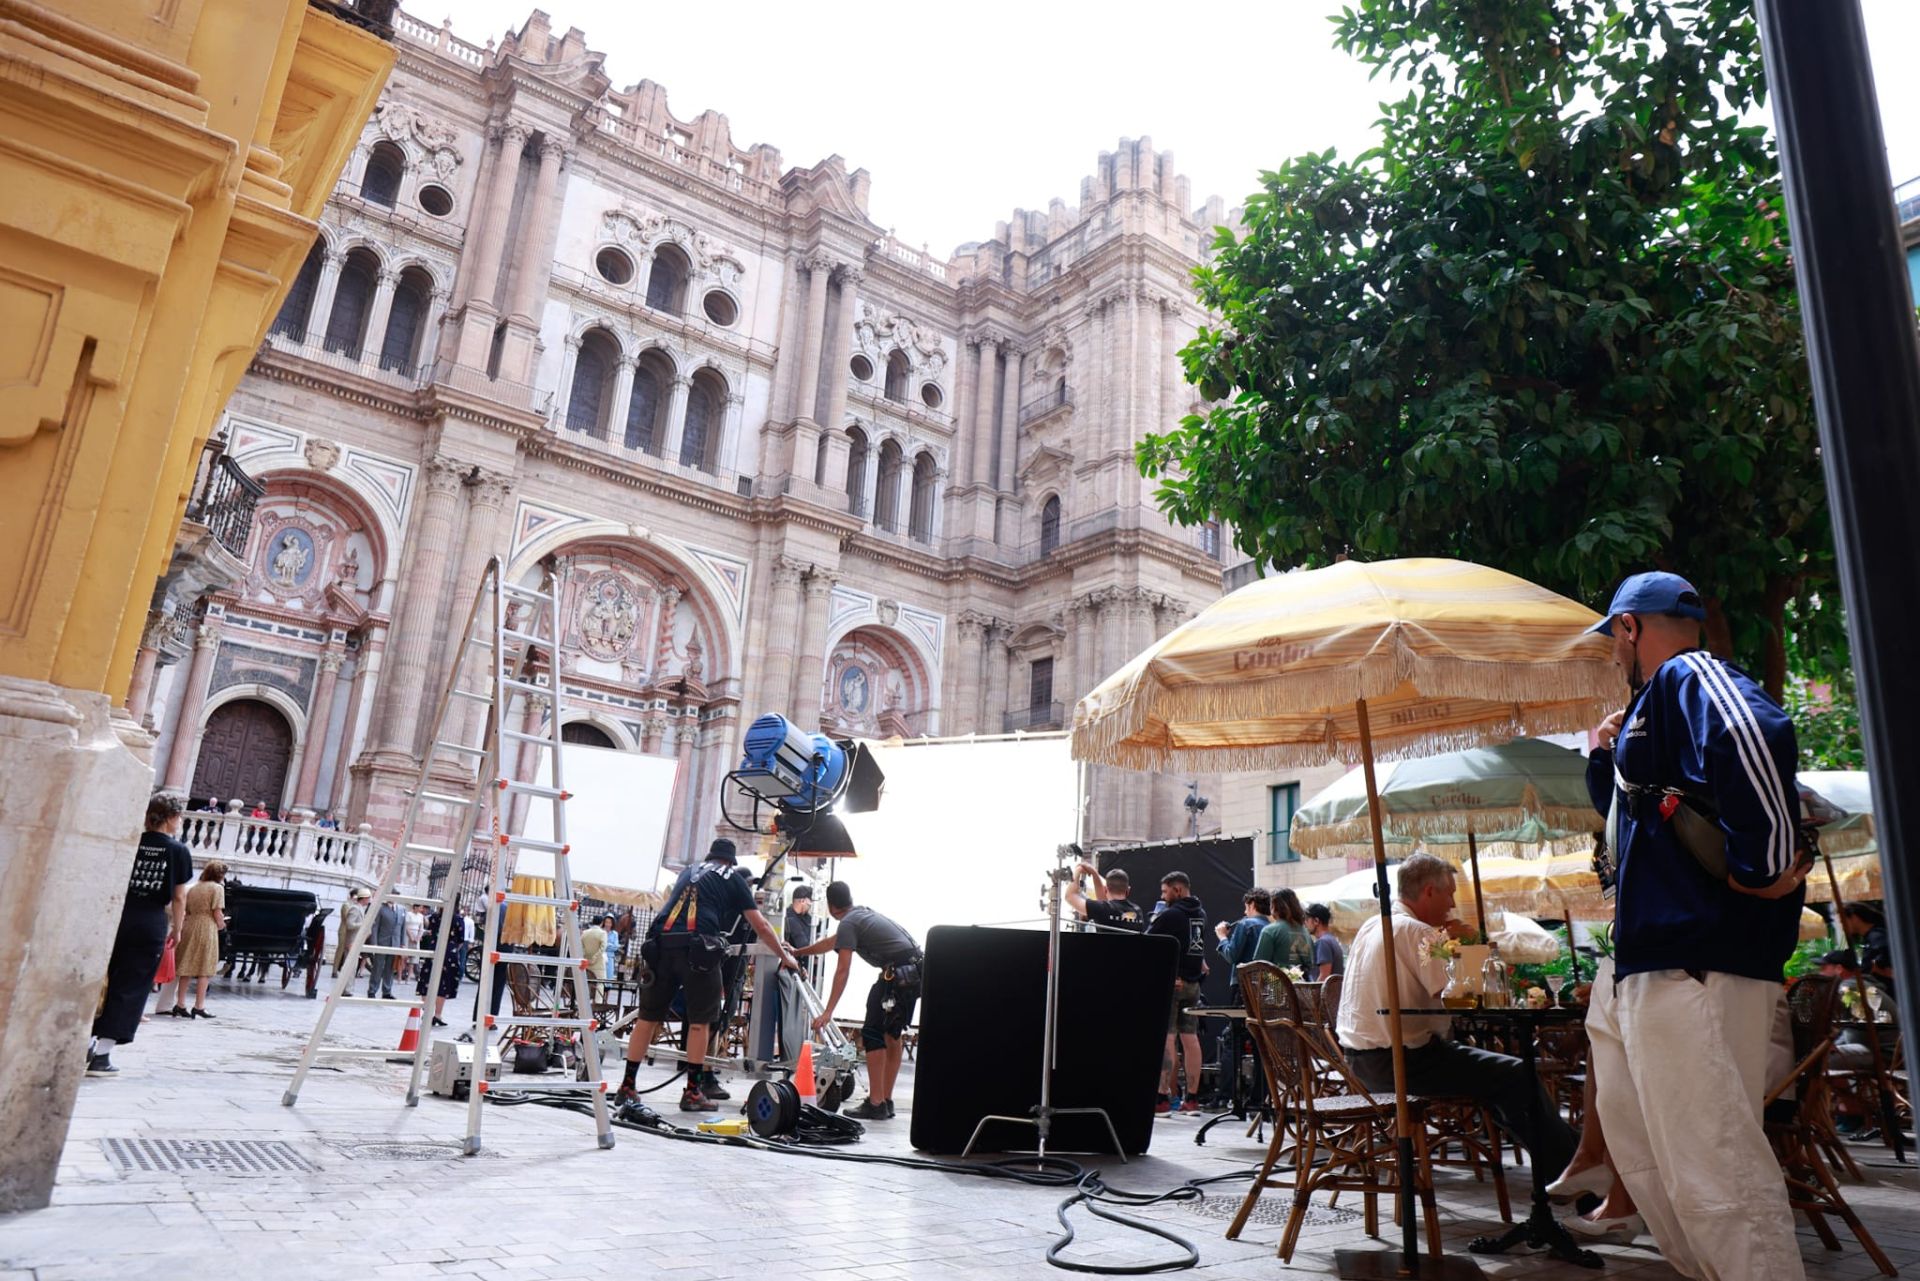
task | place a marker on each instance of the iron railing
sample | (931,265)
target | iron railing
(1906,200)
(1054,401)
(1038,717)
(225,502)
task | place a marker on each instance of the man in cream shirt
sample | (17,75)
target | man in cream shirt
(1436,1065)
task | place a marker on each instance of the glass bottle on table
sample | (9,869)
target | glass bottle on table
(1496,981)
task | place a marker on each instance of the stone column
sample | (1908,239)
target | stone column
(677,419)
(999,659)
(186,729)
(841,349)
(818,266)
(430,337)
(729,454)
(530,281)
(323,298)
(981,472)
(1139,800)
(776,687)
(872,478)
(484,281)
(146,662)
(622,393)
(1066,668)
(651,731)
(967,685)
(486,496)
(420,621)
(319,721)
(1009,433)
(811,672)
(480,266)
(483,185)
(376,333)
(685,787)
(366,676)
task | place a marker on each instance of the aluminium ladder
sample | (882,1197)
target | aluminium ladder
(493,669)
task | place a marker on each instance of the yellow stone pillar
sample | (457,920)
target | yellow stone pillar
(161,167)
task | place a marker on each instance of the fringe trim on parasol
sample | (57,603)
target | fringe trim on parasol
(1358,830)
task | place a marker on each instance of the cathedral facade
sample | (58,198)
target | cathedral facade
(789,463)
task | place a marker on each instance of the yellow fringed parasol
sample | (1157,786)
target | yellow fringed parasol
(1356,663)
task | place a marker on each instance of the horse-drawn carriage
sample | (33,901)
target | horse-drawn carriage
(265,928)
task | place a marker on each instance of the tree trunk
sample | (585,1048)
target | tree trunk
(1719,631)
(1774,654)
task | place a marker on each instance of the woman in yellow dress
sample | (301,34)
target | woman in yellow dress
(198,954)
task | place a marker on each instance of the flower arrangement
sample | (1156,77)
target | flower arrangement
(1294,972)
(1446,949)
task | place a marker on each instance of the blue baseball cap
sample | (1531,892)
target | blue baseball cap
(1653,593)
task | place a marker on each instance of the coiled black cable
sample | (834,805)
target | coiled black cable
(1089,1188)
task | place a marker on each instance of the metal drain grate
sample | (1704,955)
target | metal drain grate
(207,1156)
(1272,1211)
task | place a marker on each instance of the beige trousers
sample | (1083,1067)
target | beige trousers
(1680,1069)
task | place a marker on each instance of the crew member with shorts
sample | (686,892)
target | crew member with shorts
(887,947)
(1183,920)
(685,949)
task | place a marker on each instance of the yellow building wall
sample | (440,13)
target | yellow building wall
(161,165)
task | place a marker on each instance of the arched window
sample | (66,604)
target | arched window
(706,409)
(920,510)
(652,382)
(587,734)
(667,283)
(352,300)
(380,185)
(856,471)
(897,372)
(1210,539)
(292,320)
(1059,391)
(406,321)
(1050,525)
(886,501)
(593,370)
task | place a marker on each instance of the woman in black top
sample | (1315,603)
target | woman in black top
(154,911)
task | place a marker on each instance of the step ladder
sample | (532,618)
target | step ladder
(494,671)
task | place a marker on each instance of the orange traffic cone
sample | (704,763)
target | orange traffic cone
(803,1074)
(410,1038)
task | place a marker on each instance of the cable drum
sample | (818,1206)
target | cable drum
(773,1109)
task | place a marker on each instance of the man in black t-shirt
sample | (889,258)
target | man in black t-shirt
(155,910)
(1111,907)
(686,948)
(1184,921)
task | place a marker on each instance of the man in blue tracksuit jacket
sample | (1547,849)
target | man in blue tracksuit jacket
(1686,1035)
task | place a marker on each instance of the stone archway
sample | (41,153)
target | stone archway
(246,752)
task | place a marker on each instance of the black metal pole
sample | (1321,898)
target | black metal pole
(1862,345)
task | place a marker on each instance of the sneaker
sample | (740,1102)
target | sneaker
(889,1109)
(1190,1105)
(711,1087)
(624,1095)
(97,1065)
(691,1100)
(439,1022)
(1163,1106)
(870,1111)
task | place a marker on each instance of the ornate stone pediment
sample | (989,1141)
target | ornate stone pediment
(429,140)
(647,229)
(1046,463)
(879,332)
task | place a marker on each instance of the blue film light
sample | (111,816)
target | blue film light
(788,767)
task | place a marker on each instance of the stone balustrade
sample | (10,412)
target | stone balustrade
(298,855)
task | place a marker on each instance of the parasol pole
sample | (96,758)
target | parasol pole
(1479,904)
(1402,1114)
(1833,894)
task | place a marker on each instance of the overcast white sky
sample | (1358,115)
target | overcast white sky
(963,114)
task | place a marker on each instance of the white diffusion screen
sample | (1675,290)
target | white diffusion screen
(616,819)
(965,835)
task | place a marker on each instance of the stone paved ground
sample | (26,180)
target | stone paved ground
(544,1202)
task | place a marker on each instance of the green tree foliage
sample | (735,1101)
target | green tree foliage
(1549,325)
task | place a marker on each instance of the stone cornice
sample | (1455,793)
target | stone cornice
(284,367)
(551,447)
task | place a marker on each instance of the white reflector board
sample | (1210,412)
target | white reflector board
(617,817)
(965,835)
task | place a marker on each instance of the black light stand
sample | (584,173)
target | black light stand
(1859,317)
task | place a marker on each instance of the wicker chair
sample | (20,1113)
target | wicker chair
(1353,1131)
(1792,1124)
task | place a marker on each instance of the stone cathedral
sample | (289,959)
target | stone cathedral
(790,463)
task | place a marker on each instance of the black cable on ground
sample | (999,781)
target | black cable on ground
(1089,1188)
